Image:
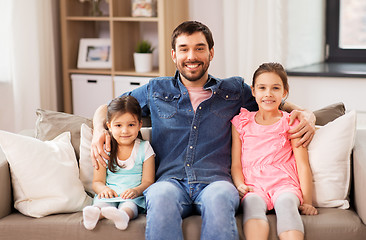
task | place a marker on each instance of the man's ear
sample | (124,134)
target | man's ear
(174,56)
(212,53)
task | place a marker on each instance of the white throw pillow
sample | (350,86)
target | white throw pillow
(45,175)
(329,157)
(85,162)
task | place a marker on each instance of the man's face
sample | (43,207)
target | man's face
(192,57)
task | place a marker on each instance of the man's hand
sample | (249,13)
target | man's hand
(306,128)
(97,153)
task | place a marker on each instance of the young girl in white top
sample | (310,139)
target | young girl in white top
(267,169)
(130,171)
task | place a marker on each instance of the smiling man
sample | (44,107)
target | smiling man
(191,136)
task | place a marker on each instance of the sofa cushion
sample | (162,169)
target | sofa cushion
(329,113)
(44,175)
(329,157)
(50,124)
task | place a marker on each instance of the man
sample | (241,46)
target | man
(191,135)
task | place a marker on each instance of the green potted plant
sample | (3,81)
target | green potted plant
(143,56)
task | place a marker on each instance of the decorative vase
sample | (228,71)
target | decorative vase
(94,8)
(143,62)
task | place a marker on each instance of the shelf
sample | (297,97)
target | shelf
(124,31)
(90,71)
(87,18)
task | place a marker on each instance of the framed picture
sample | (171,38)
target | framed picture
(95,53)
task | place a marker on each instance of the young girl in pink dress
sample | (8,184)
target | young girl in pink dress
(267,169)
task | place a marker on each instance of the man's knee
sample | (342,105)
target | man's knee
(221,193)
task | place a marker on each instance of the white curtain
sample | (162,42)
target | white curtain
(33,73)
(272,30)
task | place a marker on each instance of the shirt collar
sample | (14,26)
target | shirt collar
(212,82)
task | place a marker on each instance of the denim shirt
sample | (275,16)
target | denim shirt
(188,144)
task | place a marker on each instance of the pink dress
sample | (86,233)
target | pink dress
(267,159)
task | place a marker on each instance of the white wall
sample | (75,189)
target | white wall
(316,92)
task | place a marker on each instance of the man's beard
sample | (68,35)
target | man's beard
(195,77)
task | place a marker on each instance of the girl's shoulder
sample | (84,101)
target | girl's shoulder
(243,118)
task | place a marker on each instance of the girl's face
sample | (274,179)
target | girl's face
(268,91)
(125,128)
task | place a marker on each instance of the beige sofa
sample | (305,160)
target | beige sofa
(331,223)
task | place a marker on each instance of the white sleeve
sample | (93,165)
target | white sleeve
(149,151)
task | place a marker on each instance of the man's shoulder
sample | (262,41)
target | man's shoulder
(233,83)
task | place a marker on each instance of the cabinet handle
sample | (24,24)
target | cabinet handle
(135,83)
(92,81)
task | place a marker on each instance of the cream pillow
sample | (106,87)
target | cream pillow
(45,175)
(85,162)
(329,157)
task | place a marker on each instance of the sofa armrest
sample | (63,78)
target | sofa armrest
(5,187)
(359,172)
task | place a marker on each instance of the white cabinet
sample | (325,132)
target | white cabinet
(89,92)
(124,84)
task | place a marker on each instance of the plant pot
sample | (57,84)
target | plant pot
(143,62)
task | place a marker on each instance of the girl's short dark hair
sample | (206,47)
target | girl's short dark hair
(190,27)
(119,106)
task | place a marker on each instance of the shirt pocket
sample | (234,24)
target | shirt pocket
(166,104)
(226,104)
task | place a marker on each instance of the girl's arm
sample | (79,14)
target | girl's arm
(148,178)
(236,167)
(305,177)
(99,186)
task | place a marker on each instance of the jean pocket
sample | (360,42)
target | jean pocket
(166,104)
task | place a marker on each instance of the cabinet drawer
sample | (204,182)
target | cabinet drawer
(89,92)
(124,84)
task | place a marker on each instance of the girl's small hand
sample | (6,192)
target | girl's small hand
(130,194)
(308,209)
(107,193)
(243,189)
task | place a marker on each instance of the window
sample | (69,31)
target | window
(346,31)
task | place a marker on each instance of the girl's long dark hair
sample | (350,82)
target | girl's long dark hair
(118,106)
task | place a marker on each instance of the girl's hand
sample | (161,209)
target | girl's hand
(107,193)
(130,194)
(243,189)
(308,209)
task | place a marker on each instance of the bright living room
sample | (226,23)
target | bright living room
(296,40)
(245,33)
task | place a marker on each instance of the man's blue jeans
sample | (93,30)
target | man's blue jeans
(168,202)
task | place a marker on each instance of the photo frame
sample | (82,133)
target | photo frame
(95,53)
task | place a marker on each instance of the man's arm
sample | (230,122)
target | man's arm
(306,128)
(101,137)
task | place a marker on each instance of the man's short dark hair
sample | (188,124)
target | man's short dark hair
(190,27)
